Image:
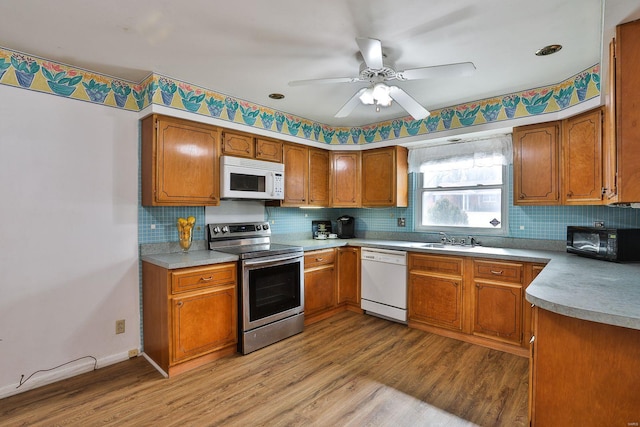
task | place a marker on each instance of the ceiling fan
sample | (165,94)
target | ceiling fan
(376,70)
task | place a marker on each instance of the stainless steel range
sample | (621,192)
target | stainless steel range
(271,283)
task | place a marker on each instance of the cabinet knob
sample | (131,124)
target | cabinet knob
(521,196)
(180,303)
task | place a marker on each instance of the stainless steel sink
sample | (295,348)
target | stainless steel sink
(432,245)
(439,246)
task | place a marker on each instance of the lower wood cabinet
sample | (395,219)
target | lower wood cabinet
(190,315)
(472,299)
(583,373)
(320,287)
(349,277)
(435,291)
(331,282)
(497,300)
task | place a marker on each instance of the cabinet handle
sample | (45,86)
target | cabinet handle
(533,338)
(319,259)
(499,273)
(206,279)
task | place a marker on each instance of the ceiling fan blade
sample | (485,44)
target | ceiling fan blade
(324,81)
(462,69)
(351,104)
(371,50)
(412,106)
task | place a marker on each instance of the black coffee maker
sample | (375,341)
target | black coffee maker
(346,227)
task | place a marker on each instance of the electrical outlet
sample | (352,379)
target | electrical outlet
(120,326)
(402,222)
(598,224)
(133,353)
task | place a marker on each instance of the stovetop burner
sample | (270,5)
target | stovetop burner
(247,240)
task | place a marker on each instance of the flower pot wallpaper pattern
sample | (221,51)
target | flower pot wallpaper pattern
(38,74)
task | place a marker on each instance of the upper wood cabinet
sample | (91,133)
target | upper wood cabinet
(609,152)
(241,144)
(296,175)
(345,179)
(385,177)
(269,150)
(306,176)
(179,162)
(318,177)
(582,159)
(536,164)
(626,63)
(238,144)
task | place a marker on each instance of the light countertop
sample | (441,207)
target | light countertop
(583,288)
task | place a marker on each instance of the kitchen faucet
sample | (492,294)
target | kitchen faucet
(446,239)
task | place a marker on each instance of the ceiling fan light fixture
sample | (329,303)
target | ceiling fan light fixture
(381,94)
(367,97)
(378,94)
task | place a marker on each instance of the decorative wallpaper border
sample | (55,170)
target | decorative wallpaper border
(33,73)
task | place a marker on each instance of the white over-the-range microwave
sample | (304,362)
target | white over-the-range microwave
(242,178)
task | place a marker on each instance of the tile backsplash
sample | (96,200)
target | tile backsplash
(157,224)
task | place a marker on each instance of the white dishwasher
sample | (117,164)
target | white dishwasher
(384,283)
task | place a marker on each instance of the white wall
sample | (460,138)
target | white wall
(68,236)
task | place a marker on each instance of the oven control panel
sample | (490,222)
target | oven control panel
(238,230)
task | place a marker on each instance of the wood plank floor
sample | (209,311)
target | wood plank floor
(348,370)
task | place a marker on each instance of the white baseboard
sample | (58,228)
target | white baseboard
(67,371)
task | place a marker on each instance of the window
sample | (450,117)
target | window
(462,186)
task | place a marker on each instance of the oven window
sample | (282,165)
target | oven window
(273,290)
(243,182)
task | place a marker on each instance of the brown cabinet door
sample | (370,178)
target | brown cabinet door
(435,300)
(535,164)
(584,373)
(609,151)
(384,177)
(179,163)
(582,159)
(296,175)
(628,110)
(204,322)
(345,179)
(498,311)
(349,275)
(318,177)
(238,144)
(269,150)
(319,290)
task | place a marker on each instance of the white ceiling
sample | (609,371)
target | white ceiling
(248,49)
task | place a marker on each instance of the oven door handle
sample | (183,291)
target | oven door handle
(269,260)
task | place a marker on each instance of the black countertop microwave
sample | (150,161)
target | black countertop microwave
(609,244)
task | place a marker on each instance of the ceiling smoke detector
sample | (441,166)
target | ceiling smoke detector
(548,50)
